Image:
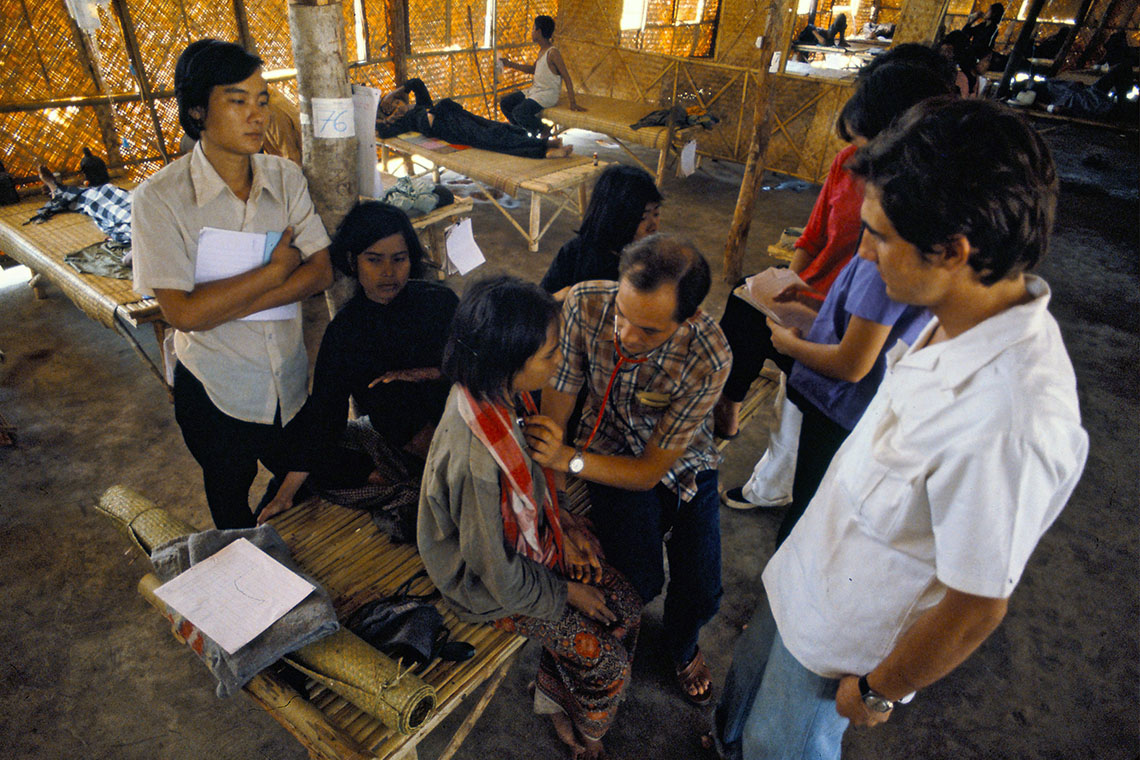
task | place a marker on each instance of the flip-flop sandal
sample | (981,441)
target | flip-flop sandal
(690,676)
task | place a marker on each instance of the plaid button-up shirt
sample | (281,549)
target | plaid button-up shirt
(666,399)
(107,205)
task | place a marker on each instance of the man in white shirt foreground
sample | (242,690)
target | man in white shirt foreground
(905,560)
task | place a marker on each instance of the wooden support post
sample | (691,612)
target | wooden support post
(242,21)
(132,42)
(104,115)
(535,220)
(396,13)
(1024,41)
(1095,38)
(317,31)
(779,13)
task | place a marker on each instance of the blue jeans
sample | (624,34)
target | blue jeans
(631,526)
(773,708)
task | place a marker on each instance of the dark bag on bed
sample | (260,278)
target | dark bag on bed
(408,627)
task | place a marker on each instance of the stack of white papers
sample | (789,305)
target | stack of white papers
(227,253)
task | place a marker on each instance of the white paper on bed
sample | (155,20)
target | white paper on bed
(226,253)
(760,290)
(365,102)
(689,158)
(235,594)
(462,251)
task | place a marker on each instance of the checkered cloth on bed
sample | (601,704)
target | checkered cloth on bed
(109,206)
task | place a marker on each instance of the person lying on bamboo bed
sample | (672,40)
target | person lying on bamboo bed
(449,121)
(624,208)
(383,349)
(491,531)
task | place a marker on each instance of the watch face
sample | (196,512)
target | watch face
(877,703)
(576,464)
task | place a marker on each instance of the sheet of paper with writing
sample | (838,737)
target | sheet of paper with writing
(760,291)
(462,251)
(235,594)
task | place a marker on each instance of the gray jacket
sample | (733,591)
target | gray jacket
(460,532)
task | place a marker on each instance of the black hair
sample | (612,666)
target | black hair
(545,25)
(500,323)
(655,260)
(885,95)
(966,167)
(363,225)
(616,207)
(916,55)
(203,65)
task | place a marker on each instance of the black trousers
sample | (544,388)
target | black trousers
(227,449)
(523,112)
(746,329)
(456,125)
(820,438)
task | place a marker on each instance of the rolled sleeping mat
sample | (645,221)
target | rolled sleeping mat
(343,661)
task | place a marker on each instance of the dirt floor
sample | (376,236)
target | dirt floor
(89,670)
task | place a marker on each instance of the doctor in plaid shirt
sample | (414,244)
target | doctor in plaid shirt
(653,366)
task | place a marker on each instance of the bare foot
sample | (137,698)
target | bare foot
(554,142)
(562,152)
(565,730)
(48,179)
(593,750)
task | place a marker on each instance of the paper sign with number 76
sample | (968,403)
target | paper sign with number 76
(332,118)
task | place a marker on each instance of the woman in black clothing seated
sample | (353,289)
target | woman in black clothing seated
(383,349)
(449,121)
(624,207)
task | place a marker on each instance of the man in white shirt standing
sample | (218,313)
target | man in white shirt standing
(905,559)
(238,381)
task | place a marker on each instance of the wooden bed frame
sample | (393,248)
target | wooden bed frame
(564,181)
(613,117)
(113,303)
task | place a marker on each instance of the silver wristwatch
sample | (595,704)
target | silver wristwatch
(875,702)
(577,462)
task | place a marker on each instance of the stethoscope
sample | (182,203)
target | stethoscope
(622,359)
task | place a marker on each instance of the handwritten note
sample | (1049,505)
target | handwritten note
(333,118)
(760,291)
(462,251)
(235,595)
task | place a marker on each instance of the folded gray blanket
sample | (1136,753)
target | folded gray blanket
(312,619)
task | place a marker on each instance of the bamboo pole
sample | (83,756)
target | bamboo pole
(758,147)
(242,20)
(475,60)
(132,42)
(317,32)
(1024,40)
(396,12)
(1096,35)
(104,115)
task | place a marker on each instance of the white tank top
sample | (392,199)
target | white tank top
(547,85)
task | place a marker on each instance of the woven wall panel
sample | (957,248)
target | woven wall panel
(43,72)
(54,137)
(378,75)
(741,22)
(918,21)
(136,131)
(377,29)
(269,27)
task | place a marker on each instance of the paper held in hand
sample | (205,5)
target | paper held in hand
(235,594)
(760,292)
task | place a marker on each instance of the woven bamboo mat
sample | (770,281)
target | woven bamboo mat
(41,247)
(357,563)
(612,117)
(498,170)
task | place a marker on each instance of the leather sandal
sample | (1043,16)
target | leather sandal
(689,678)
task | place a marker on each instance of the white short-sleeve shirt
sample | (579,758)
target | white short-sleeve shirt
(248,368)
(962,461)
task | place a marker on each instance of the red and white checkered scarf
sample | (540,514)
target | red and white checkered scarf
(492,424)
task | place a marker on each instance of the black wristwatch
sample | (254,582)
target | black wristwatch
(875,702)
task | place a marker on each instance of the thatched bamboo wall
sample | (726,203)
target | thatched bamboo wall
(62,90)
